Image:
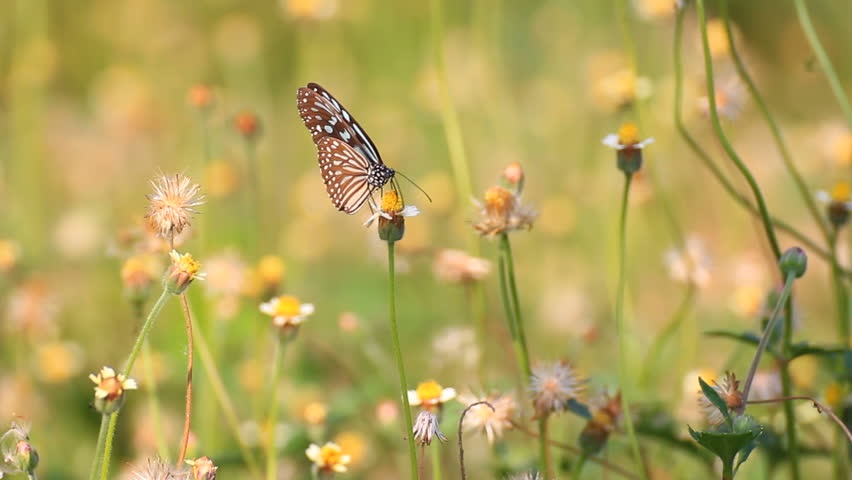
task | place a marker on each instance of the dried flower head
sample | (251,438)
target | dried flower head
(728,390)
(553,387)
(457,266)
(329,458)
(109,389)
(183,270)
(426,428)
(489,420)
(156,469)
(430,395)
(502,211)
(203,468)
(172,204)
(287,313)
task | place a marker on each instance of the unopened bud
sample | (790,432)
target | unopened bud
(391,230)
(25,458)
(203,468)
(794,261)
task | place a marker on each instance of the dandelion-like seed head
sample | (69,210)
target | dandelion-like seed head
(728,390)
(484,419)
(329,458)
(426,428)
(156,469)
(430,395)
(173,203)
(553,387)
(110,388)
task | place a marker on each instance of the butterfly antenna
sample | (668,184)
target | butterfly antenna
(417,186)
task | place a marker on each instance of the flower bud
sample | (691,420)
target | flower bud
(183,270)
(203,468)
(513,177)
(248,124)
(794,261)
(391,230)
(201,97)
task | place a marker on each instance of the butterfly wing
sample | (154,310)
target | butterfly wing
(345,172)
(324,117)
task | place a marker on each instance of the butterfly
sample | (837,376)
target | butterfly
(349,161)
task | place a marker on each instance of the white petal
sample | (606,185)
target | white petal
(306,309)
(409,211)
(130,384)
(447,394)
(642,144)
(413,398)
(611,141)
(269,307)
(372,218)
(823,196)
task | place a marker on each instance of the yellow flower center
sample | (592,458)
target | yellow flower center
(391,203)
(628,134)
(288,306)
(188,265)
(429,391)
(498,200)
(841,192)
(330,455)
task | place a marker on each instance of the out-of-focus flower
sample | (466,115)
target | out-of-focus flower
(692,265)
(426,428)
(183,270)
(329,458)
(841,149)
(270,271)
(502,211)
(226,278)
(456,347)
(483,419)
(31,310)
(203,468)
(387,412)
(457,266)
(618,89)
(10,254)
(221,178)
(310,9)
(604,421)
(836,395)
(626,142)
(349,322)
(728,390)
(838,203)
(287,312)
(553,387)
(57,361)
(730,99)
(156,469)
(430,395)
(391,215)
(354,444)
(513,176)
(201,97)
(765,385)
(248,125)
(172,204)
(138,275)
(315,413)
(109,389)
(655,9)
(717,38)
(78,233)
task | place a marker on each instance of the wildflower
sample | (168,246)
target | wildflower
(201,97)
(655,9)
(457,266)
(227,276)
(628,146)
(391,216)
(31,309)
(354,444)
(717,38)
(156,469)
(728,390)
(554,387)
(183,271)
(172,204)
(203,468)
(730,99)
(490,420)
(270,270)
(311,9)
(10,253)
(137,275)
(501,211)
(692,265)
(18,454)
(604,421)
(57,361)
(513,176)
(387,412)
(248,125)
(287,313)
(329,458)
(426,428)
(109,389)
(617,88)
(315,413)
(838,203)
(841,149)
(430,395)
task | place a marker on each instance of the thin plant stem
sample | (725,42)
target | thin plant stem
(461,432)
(221,394)
(508,262)
(577,469)
(723,139)
(822,57)
(272,416)
(717,173)
(110,435)
(523,366)
(652,359)
(436,462)
(626,385)
(821,407)
(780,143)
(32,475)
(544,448)
(403,383)
(153,399)
(93,473)
(187,419)
(840,292)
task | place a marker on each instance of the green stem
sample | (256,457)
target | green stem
(626,385)
(93,473)
(729,188)
(146,328)
(113,420)
(577,469)
(723,139)
(842,298)
(787,158)
(505,297)
(224,400)
(544,449)
(153,400)
(272,417)
(652,360)
(509,263)
(397,350)
(436,462)
(822,57)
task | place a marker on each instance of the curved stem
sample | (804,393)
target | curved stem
(397,350)
(823,408)
(272,417)
(187,416)
(626,384)
(461,425)
(508,262)
(822,57)
(146,328)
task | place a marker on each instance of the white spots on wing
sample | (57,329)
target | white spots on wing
(328,129)
(345,135)
(346,115)
(332,120)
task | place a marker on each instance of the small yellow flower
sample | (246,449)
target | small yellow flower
(430,395)
(502,211)
(271,269)
(328,458)
(183,271)
(626,138)
(109,389)
(315,413)
(838,203)
(203,468)
(287,312)
(172,204)
(354,444)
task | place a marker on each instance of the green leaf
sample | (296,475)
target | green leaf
(748,338)
(715,399)
(726,446)
(804,348)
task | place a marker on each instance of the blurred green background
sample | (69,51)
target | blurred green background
(93,104)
